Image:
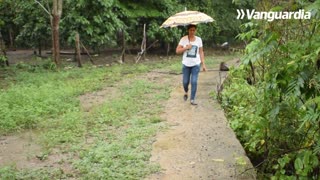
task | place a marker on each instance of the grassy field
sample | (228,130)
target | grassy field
(111,141)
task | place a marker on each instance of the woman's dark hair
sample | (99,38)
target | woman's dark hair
(191,26)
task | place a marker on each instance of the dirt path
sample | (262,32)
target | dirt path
(199,143)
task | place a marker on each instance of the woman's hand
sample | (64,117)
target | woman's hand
(204,68)
(180,49)
(189,46)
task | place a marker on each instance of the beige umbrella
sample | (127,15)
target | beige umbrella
(185,18)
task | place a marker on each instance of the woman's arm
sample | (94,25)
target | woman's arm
(202,59)
(180,49)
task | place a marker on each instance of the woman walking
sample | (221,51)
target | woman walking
(193,57)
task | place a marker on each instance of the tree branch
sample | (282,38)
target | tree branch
(43,8)
(60,3)
(48,6)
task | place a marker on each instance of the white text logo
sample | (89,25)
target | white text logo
(270,16)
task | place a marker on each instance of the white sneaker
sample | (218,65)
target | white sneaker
(193,102)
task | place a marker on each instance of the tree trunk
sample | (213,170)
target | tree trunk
(123,46)
(55,36)
(87,52)
(144,41)
(40,48)
(252,72)
(143,45)
(56,14)
(5,55)
(78,52)
(11,39)
(3,52)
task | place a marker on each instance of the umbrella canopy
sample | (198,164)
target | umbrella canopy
(185,18)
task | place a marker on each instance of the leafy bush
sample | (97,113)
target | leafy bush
(273,100)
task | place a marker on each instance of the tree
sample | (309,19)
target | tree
(3,56)
(55,20)
(8,13)
(100,27)
(97,27)
(226,26)
(152,13)
(55,17)
(34,26)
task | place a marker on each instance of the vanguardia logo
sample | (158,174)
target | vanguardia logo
(271,15)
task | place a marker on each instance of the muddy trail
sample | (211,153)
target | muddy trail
(199,143)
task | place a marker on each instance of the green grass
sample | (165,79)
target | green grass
(48,101)
(112,141)
(34,97)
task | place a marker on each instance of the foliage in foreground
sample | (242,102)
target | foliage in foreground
(273,101)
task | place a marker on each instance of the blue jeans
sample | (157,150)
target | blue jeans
(193,73)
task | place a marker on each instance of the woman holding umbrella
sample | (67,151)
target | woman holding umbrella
(193,57)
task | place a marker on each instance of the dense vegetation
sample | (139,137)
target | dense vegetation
(272,99)
(101,23)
